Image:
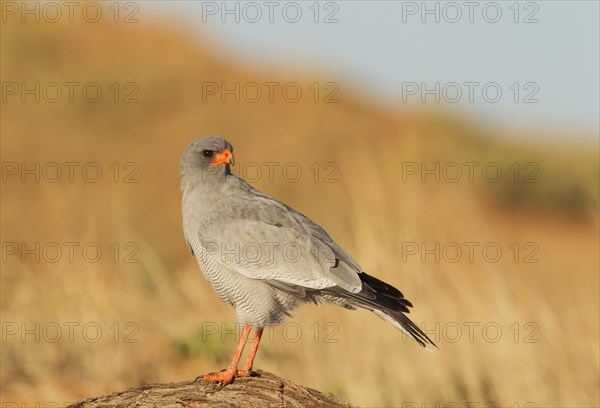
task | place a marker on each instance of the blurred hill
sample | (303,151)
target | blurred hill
(371,192)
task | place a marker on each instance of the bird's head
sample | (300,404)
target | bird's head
(207,157)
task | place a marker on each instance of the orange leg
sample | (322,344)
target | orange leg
(248,368)
(226,377)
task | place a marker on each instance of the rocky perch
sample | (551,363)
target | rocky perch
(262,390)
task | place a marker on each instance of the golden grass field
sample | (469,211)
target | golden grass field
(156,315)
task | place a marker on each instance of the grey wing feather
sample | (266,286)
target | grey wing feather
(311,228)
(262,238)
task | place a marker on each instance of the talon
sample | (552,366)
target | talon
(244,373)
(201,377)
(223,377)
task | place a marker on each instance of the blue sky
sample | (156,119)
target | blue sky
(543,56)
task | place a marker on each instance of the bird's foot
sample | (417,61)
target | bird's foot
(223,377)
(246,373)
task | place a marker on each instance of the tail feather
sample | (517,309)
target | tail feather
(388,303)
(408,327)
(390,294)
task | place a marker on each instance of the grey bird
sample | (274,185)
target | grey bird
(265,259)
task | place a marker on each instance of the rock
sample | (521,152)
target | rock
(263,390)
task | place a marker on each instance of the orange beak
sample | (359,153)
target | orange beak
(224,157)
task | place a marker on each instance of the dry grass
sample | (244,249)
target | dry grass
(370,212)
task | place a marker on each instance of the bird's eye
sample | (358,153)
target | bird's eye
(207,153)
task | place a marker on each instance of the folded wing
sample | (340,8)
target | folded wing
(262,238)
